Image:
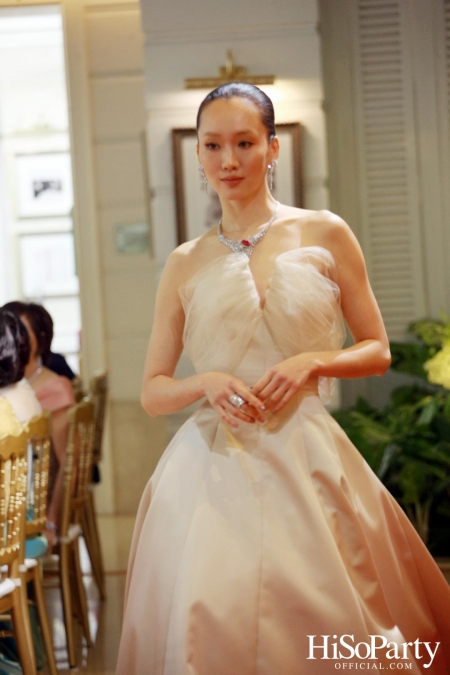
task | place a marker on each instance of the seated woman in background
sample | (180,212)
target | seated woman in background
(54,393)
(55,362)
(18,402)
(43,327)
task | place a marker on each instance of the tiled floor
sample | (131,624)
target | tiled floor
(104,617)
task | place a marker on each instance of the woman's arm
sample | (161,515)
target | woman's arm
(370,355)
(162,394)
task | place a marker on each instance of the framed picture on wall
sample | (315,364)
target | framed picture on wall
(197,210)
(48,265)
(43,184)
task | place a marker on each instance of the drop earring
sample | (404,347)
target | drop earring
(203,176)
(270,170)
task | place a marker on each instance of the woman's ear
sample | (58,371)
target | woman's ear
(274,148)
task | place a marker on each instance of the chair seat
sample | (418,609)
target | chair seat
(27,566)
(30,562)
(74,532)
(7,586)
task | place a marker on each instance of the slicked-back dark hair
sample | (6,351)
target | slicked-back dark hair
(14,348)
(243,90)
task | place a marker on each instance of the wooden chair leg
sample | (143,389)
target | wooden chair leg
(43,619)
(81,594)
(90,534)
(64,570)
(26,614)
(20,620)
(92,516)
(77,608)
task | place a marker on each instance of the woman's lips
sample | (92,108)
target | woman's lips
(232,181)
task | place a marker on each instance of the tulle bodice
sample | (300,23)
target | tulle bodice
(227,330)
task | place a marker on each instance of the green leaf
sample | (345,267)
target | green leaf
(409,358)
(429,412)
(446,407)
(389,454)
(431,331)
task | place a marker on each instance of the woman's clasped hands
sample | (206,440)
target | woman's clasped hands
(219,387)
(282,381)
(269,395)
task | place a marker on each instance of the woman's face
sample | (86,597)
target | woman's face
(31,335)
(234,148)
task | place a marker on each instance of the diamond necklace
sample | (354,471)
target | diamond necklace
(246,245)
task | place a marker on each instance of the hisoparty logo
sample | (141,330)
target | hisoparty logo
(321,647)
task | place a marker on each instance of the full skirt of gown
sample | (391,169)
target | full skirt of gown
(273,548)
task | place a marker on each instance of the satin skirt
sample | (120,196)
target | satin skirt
(257,550)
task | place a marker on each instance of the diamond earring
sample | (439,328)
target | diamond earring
(270,170)
(203,176)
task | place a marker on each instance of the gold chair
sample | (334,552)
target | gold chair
(38,470)
(13,471)
(78,388)
(77,475)
(99,392)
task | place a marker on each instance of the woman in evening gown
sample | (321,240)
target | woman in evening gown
(264,544)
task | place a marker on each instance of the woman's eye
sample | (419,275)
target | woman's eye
(245,144)
(212,146)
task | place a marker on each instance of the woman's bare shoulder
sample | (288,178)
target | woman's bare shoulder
(314,227)
(327,229)
(189,256)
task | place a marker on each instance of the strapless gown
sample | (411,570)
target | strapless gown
(273,548)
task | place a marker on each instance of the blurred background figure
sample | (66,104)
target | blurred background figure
(42,324)
(54,392)
(18,401)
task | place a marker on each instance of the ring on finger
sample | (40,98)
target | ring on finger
(236,400)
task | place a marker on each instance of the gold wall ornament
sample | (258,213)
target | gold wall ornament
(230,72)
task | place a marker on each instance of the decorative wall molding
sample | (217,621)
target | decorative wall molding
(124,139)
(217,33)
(113,7)
(163,111)
(115,77)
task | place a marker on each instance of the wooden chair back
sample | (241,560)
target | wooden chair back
(38,472)
(13,485)
(78,463)
(99,392)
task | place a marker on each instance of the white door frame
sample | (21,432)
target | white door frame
(86,235)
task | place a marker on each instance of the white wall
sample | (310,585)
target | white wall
(191,39)
(33,118)
(114,42)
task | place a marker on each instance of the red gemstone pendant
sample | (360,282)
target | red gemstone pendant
(245,242)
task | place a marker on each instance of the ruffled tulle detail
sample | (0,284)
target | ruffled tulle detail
(221,314)
(302,310)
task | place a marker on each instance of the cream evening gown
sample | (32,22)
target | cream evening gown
(249,540)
